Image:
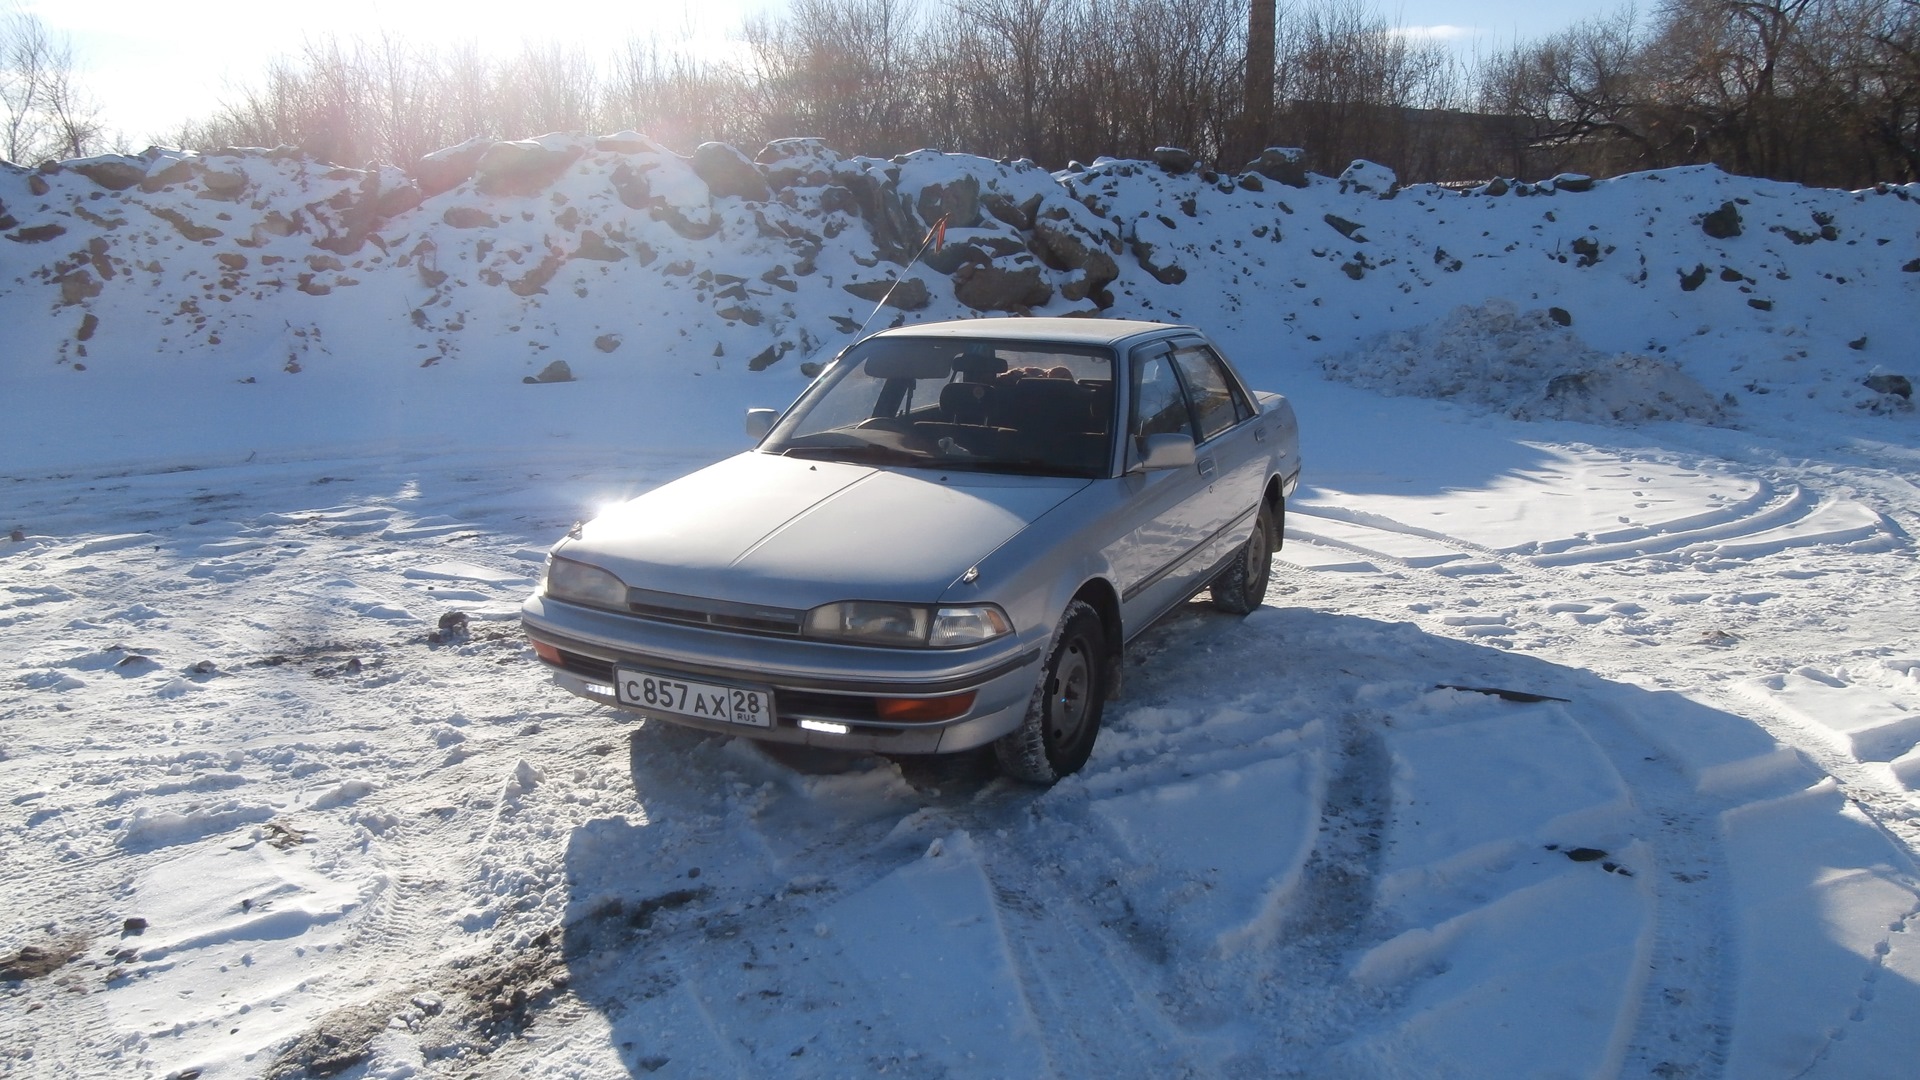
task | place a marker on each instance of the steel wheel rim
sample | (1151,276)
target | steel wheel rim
(1073,678)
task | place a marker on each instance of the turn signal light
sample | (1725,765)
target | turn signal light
(923,710)
(546,652)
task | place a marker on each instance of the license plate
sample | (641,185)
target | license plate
(652,692)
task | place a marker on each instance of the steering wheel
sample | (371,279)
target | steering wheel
(905,436)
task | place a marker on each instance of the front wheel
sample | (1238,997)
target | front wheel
(1242,586)
(1056,737)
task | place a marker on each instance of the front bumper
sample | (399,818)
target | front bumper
(825,684)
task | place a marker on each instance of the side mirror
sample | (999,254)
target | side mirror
(760,422)
(1169,451)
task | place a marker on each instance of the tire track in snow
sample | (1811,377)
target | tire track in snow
(1082,974)
(1166,1000)
(1305,980)
(1684,1009)
(1683,1024)
(1784,515)
(1774,520)
(1685,1018)
(1891,807)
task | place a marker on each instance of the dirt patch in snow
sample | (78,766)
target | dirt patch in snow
(340,1040)
(33,961)
(470,1011)
(507,991)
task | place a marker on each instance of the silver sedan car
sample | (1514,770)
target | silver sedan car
(945,543)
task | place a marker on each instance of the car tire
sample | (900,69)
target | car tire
(1063,718)
(1242,587)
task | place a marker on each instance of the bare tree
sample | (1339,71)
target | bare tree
(547,88)
(1578,99)
(1886,58)
(681,101)
(1824,91)
(1356,85)
(1011,52)
(844,70)
(46,113)
(407,110)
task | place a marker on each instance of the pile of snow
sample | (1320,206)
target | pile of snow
(1527,365)
(225,290)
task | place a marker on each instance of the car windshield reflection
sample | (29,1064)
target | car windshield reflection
(1017,407)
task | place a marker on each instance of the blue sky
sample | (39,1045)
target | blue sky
(1497,21)
(152,66)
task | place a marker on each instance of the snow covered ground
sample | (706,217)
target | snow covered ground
(272,810)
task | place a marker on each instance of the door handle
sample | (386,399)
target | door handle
(1206,466)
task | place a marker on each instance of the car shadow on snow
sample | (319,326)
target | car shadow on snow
(720,926)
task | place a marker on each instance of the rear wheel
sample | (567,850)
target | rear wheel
(1063,718)
(1242,586)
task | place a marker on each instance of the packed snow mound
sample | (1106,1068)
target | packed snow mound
(223,290)
(1527,365)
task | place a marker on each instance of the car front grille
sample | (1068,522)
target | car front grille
(718,614)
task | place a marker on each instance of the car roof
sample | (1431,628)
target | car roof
(1071,331)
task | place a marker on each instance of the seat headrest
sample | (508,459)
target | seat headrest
(979,362)
(961,393)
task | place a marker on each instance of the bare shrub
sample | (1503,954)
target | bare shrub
(44,112)
(1823,91)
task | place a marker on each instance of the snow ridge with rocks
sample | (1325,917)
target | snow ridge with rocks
(638,267)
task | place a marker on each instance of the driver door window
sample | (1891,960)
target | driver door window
(1217,404)
(1159,406)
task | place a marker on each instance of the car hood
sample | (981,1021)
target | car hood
(794,533)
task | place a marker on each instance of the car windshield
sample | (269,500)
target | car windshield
(954,403)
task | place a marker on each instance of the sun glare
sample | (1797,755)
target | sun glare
(152,69)
(1443,32)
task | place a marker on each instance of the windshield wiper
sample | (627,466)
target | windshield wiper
(857,453)
(1021,467)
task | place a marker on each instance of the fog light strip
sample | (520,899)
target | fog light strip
(824,726)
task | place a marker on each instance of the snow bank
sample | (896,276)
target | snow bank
(1527,365)
(227,292)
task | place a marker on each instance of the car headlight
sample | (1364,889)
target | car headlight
(873,622)
(869,622)
(578,583)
